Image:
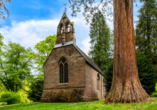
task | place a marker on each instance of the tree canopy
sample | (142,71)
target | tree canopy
(43,49)
(101,40)
(91,7)
(146,30)
(15,65)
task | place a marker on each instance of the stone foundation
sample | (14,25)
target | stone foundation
(63,95)
(66,95)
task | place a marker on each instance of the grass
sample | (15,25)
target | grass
(152,95)
(94,105)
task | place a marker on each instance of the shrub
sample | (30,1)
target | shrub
(2,87)
(36,89)
(10,97)
(24,96)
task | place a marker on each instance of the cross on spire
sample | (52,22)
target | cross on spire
(65,7)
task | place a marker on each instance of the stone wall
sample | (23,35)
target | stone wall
(82,79)
(76,71)
(68,37)
(63,95)
(93,90)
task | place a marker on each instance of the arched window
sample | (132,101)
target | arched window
(98,78)
(66,73)
(63,71)
(67,27)
(61,28)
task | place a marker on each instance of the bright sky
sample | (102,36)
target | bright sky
(31,21)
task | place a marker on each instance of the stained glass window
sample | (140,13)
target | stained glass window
(66,73)
(61,73)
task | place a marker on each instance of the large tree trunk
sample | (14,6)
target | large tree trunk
(126,86)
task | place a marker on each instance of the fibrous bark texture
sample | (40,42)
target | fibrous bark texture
(126,86)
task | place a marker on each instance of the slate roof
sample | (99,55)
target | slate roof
(88,60)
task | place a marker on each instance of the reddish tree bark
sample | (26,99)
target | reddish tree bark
(126,86)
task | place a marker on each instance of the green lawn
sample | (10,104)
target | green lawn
(152,95)
(94,105)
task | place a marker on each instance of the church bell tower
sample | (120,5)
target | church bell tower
(65,30)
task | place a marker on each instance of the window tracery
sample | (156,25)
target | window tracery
(63,71)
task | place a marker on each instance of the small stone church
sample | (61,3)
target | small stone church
(69,74)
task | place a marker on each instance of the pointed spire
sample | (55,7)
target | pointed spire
(65,8)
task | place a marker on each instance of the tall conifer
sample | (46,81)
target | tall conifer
(146,30)
(100,41)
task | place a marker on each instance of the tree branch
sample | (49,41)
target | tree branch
(4,83)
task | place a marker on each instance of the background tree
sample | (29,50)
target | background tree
(44,48)
(108,76)
(2,87)
(15,65)
(1,42)
(147,72)
(91,7)
(100,51)
(36,88)
(125,71)
(146,30)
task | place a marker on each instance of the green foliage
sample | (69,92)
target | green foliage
(146,30)
(1,42)
(10,97)
(15,65)
(147,73)
(2,87)
(24,96)
(108,77)
(153,94)
(101,40)
(44,48)
(36,88)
